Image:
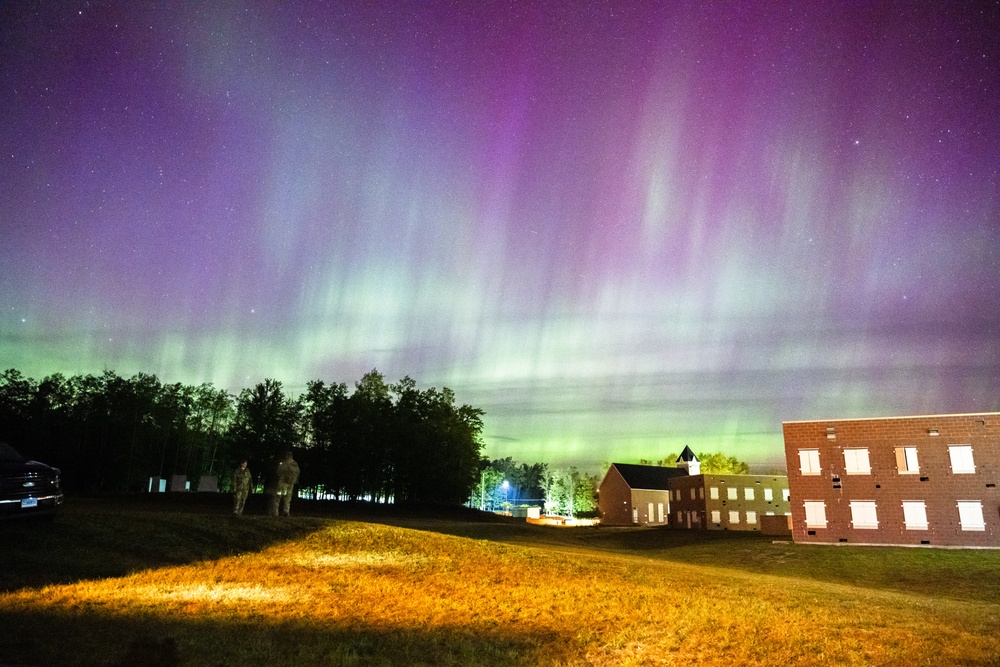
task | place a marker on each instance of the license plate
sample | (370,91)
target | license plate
(29,502)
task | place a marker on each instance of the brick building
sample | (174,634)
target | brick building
(927,480)
(633,494)
(727,502)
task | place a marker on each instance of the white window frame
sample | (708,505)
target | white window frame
(786,495)
(915,514)
(970,515)
(815,513)
(716,516)
(962,461)
(809,462)
(768,494)
(907,462)
(748,493)
(734,517)
(713,492)
(856,461)
(864,515)
(732,493)
(751,517)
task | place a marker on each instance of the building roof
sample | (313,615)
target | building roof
(687,455)
(861,419)
(647,477)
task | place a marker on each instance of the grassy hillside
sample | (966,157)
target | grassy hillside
(107,585)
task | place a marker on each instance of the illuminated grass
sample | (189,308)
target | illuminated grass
(352,592)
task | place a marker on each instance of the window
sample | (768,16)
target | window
(713,493)
(734,517)
(659,512)
(692,493)
(809,461)
(961,459)
(733,493)
(856,462)
(751,517)
(785,495)
(906,461)
(716,516)
(815,513)
(863,514)
(748,494)
(680,517)
(970,513)
(649,512)
(768,495)
(914,513)
(701,492)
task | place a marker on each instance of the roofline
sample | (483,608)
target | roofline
(858,419)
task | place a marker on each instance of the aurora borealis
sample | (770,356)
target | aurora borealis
(618,228)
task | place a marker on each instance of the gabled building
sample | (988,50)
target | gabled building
(633,494)
(927,480)
(727,502)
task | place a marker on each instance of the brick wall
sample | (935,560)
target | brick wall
(936,484)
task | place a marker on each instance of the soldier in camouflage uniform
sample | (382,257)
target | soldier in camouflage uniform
(288,475)
(242,479)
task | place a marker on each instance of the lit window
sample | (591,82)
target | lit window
(970,513)
(748,494)
(915,514)
(906,460)
(713,493)
(961,459)
(751,517)
(856,462)
(768,495)
(659,511)
(716,516)
(785,495)
(734,517)
(733,493)
(815,513)
(863,514)
(809,461)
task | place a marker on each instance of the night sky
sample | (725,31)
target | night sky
(617,228)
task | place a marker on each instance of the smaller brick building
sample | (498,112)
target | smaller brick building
(727,502)
(633,494)
(926,480)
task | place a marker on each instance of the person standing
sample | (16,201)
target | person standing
(288,475)
(242,479)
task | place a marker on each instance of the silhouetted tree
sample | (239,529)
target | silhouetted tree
(265,426)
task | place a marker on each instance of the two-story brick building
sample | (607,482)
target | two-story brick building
(727,502)
(925,480)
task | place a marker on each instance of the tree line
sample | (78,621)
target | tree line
(504,484)
(379,442)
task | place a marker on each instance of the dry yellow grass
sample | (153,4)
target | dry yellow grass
(360,593)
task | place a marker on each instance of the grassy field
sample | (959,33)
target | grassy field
(107,584)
